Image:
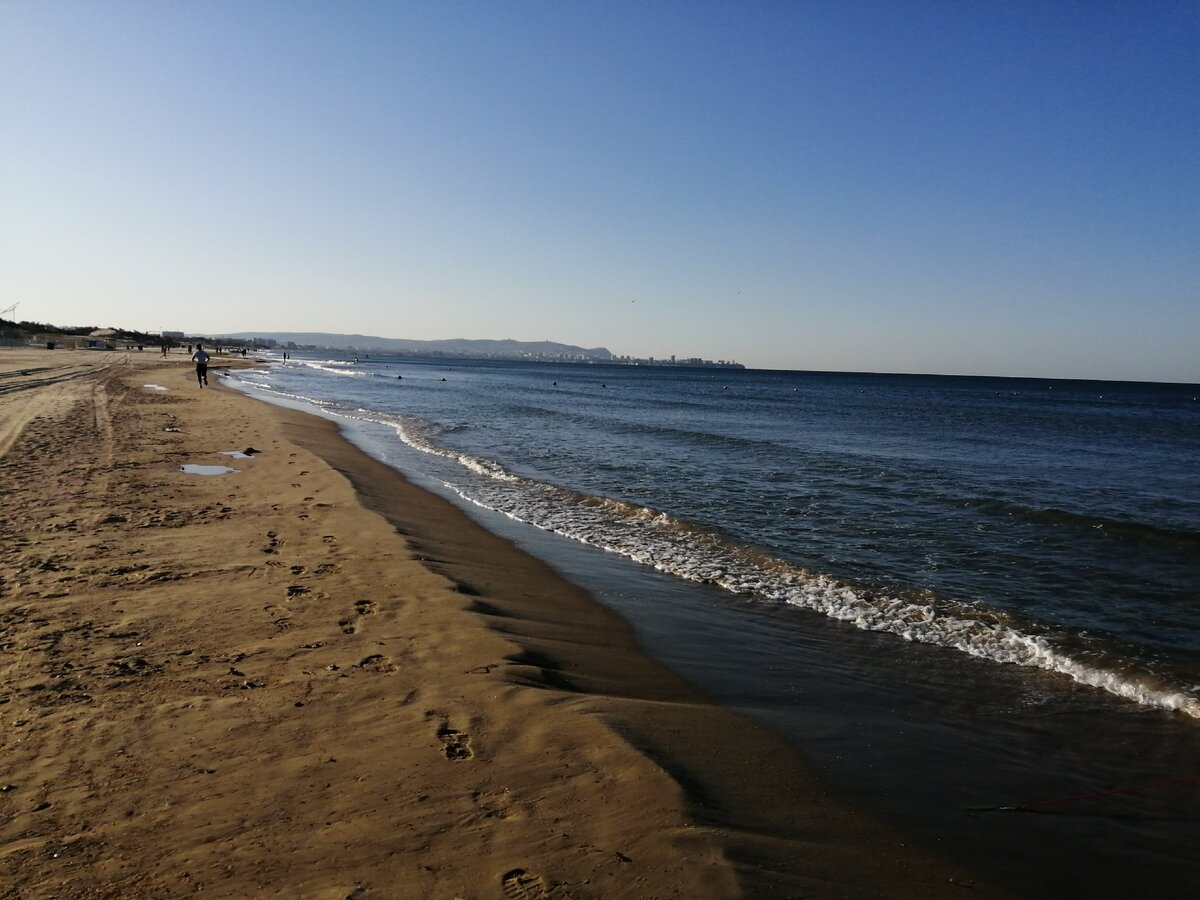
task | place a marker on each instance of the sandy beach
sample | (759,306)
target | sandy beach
(308,678)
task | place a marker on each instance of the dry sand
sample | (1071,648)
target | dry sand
(310,679)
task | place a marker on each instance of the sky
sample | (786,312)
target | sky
(995,188)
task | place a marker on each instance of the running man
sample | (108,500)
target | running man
(200,358)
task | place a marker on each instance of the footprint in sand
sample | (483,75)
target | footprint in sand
(520,884)
(377,662)
(349,624)
(456,744)
(493,804)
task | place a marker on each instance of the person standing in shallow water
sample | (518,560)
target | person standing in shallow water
(200,358)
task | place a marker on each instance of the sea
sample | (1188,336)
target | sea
(973,603)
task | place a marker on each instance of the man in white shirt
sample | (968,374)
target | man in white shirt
(200,358)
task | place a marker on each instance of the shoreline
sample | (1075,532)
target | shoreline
(739,775)
(518,711)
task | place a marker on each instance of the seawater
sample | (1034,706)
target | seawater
(950,592)
(1046,524)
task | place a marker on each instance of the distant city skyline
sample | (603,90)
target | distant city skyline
(991,189)
(475,349)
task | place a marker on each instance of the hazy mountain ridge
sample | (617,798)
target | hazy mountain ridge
(454,346)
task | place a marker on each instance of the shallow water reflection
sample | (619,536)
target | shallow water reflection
(195,469)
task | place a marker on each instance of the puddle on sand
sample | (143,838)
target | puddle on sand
(194,469)
(155,387)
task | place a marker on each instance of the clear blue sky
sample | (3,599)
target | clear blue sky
(967,187)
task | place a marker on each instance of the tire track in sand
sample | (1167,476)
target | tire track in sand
(39,394)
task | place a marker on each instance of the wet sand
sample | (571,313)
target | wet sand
(310,678)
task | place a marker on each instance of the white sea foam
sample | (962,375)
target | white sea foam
(260,381)
(335,367)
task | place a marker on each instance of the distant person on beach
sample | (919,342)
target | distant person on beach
(200,358)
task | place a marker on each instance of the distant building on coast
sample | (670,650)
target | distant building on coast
(94,341)
(693,362)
